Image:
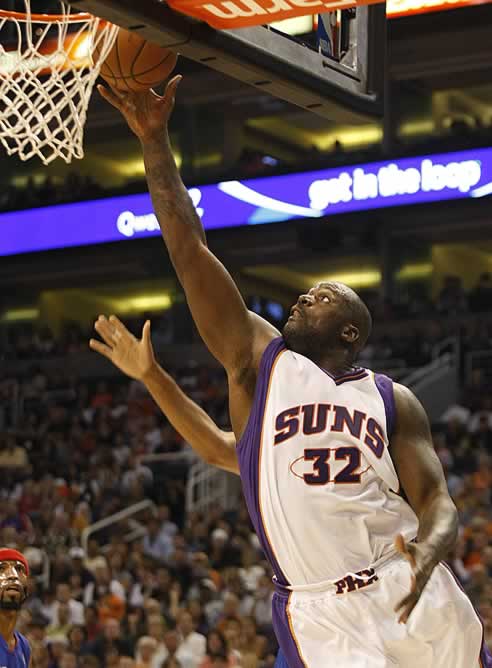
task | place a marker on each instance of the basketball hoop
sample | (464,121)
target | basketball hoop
(48,66)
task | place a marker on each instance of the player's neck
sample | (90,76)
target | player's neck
(8,620)
(336,362)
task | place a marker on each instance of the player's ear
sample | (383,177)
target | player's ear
(350,334)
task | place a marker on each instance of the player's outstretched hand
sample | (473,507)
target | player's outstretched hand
(422,561)
(135,357)
(146,113)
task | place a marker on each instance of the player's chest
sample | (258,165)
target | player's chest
(323,438)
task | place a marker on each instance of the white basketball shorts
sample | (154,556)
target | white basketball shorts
(353,624)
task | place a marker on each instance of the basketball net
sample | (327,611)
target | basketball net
(48,67)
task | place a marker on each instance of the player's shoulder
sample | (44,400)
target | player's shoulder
(410,413)
(373,381)
(404,397)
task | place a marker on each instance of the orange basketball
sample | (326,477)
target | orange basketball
(135,64)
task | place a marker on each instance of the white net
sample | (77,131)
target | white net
(48,67)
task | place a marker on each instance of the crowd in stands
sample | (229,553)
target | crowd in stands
(412,329)
(73,188)
(463,440)
(29,341)
(406,331)
(251,163)
(193,591)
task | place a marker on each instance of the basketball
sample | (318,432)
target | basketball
(135,64)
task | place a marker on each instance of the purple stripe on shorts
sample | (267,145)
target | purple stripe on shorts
(248,452)
(385,387)
(283,631)
(485,655)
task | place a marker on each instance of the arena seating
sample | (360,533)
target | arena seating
(189,590)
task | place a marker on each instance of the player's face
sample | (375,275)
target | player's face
(13,585)
(316,321)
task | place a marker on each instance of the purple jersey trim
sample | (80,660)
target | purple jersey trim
(385,387)
(350,378)
(485,657)
(280,661)
(284,633)
(354,374)
(248,452)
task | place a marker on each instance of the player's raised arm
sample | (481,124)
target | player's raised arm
(233,336)
(135,357)
(422,478)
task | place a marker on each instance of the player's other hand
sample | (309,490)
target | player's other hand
(422,561)
(135,357)
(146,113)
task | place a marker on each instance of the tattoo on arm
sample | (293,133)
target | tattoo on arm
(172,204)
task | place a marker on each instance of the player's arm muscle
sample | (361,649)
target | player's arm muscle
(230,332)
(421,475)
(232,335)
(215,446)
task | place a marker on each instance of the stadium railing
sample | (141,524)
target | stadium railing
(209,486)
(137,530)
(436,384)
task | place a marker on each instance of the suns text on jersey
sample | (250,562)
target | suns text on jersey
(310,419)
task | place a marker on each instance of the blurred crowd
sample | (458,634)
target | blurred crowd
(29,341)
(406,330)
(463,440)
(416,327)
(194,590)
(190,591)
(73,188)
(251,163)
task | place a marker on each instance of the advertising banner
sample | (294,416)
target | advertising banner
(322,193)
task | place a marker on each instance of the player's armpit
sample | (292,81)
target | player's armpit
(421,475)
(234,335)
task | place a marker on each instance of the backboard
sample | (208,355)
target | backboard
(343,74)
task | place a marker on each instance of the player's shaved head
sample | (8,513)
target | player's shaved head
(357,312)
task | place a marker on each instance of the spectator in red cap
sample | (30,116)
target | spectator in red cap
(14,573)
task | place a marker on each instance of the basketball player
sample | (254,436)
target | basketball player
(326,451)
(14,572)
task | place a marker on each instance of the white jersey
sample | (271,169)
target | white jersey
(317,474)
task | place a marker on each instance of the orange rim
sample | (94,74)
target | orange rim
(46,18)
